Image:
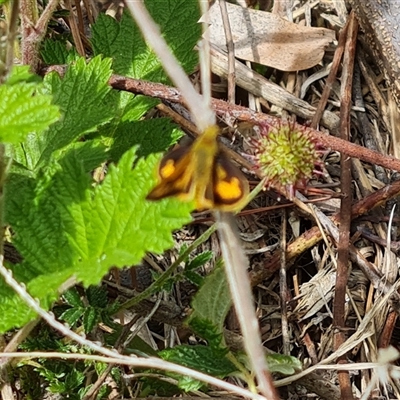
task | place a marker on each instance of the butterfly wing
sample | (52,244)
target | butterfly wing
(174,177)
(229,187)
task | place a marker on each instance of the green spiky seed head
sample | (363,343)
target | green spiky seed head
(286,155)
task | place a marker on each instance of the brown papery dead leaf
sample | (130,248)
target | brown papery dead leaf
(268,39)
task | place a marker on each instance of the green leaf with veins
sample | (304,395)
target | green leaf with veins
(82,231)
(23,107)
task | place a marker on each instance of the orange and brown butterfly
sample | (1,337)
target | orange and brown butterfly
(203,173)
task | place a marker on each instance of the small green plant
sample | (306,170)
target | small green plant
(90,312)
(189,271)
(210,308)
(64,377)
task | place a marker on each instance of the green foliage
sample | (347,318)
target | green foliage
(110,225)
(96,310)
(23,108)
(191,265)
(154,135)
(209,360)
(285,365)
(211,305)
(123,42)
(56,52)
(82,97)
(187,273)
(69,384)
(199,260)
(207,330)
(63,222)
(46,340)
(67,378)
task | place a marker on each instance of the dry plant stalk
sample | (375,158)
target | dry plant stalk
(234,257)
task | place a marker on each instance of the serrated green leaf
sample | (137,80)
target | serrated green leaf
(91,316)
(123,224)
(23,110)
(73,298)
(72,315)
(119,40)
(208,331)
(46,340)
(202,358)
(22,74)
(81,95)
(178,20)
(73,380)
(199,260)
(34,208)
(194,278)
(67,228)
(122,41)
(56,52)
(97,296)
(153,136)
(286,365)
(212,302)
(133,108)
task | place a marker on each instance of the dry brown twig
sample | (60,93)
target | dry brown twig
(240,113)
(342,271)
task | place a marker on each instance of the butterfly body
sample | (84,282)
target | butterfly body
(201,171)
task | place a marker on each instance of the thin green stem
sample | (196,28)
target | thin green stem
(159,283)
